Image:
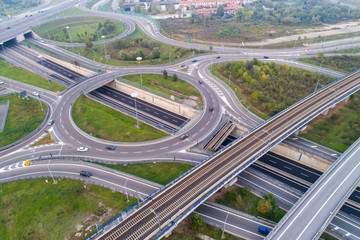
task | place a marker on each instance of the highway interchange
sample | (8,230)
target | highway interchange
(214,92)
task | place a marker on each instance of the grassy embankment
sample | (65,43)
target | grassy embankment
(14,7)
(34,209)
(28,77)
(81,28)
(91,3)
(106,123)
(343,63)
(24,116)
(47,139)
(178,88)
(133,46)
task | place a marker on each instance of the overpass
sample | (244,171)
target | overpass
(314,211)
(161,211)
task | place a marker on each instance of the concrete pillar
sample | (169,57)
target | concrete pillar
(325,112)
(346,99)
(303,128)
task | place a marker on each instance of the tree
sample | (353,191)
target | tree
(76,63)
(175,77)
(231,196)
(245,191)
(88,44)
(165,75)
(264,206)
(196,222)
(137,9)
(320,54)
(171,9)
(140,53)
(271,198)
(211,48)
(155,53)
(220,11)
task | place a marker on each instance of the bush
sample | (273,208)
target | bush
(244,191)
(264,206)
(231,196)
(175,77)
(196,222)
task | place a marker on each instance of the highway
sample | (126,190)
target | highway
(193,188)
(321,202)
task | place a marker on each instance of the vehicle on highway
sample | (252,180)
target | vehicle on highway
(36,93)
(1,82)
(266,57)
(85,173)
(194,60)
(8,27)
(184,136)
(82,149)
(200,82)
(263,230)
(196,67)
(51,122)
(211,108)
(218,57)
(111,147)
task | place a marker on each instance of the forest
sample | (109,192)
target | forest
(270,87)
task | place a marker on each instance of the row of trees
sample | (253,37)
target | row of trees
(271,87)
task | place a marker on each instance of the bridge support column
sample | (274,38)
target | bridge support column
(325,112)
(346,99)
(232,182)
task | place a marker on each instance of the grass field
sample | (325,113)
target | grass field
(70,12)
(159,172)
(106,123)
(34,209)
(28,77)
(24,116)
(344,63)
(97,52)
(81,28)
(339,129)
(47,139)
(91,3)
(154,80)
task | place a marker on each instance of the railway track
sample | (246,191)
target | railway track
(200,182)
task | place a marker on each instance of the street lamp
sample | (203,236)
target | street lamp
(41,57)
(139,59)
(127,195)
(51,173)
(222,235)
(103,37)
(67,28)
(134,95)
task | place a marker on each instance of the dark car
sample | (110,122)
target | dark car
(194,60)
(266,57)
(218,57)
(200,82)
(85,173)
(8,27)
(211,108)
(110,147)
(184,136)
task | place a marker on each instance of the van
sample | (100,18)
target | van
(263,230)
(85,174)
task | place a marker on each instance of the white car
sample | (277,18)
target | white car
(36,93)
(82,149)
(1,82)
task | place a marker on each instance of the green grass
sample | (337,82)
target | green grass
(34,209)
(154,80)
(17,6)
(338,130)
(25,76)
(81,28)
(159,172)
(168,55)
(343,63)
(24,116)
(91,3)
(350,50)
(53,2)
(107,123)
(70,11)
(248,204)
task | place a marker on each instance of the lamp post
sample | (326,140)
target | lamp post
(139,59)
(41,57)
(158,216)
(127,195)
(134,95)
(51,173)
(222,235)
(103,37)
(67,28)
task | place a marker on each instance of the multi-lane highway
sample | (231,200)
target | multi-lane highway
(214,93)
(176,200)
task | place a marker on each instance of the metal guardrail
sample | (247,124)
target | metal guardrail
(32,133)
